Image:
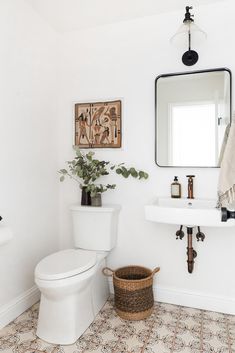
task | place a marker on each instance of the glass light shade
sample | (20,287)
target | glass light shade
(180,38)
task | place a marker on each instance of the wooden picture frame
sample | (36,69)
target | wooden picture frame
(98,124)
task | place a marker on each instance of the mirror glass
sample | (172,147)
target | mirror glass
(193,114)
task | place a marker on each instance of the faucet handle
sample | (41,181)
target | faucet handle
(180,233)
(190,176)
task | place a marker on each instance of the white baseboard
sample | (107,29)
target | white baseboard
(17,306)
(183,297)
(226,305)
(196,300)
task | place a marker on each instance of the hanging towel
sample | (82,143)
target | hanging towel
(226,186)
(224,143)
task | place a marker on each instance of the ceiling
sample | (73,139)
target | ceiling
(69,15)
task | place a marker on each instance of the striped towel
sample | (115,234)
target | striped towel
(226,186)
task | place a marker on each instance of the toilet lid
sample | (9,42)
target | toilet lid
(65,263)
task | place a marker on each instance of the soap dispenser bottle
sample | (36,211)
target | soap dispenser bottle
(176,189)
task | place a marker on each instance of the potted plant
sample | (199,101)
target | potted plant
(85,169)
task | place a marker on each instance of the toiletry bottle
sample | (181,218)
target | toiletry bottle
(176,189)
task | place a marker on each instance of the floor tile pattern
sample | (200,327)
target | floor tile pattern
(170,329)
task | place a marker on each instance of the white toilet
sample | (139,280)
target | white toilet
(73,288)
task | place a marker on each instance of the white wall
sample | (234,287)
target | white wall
(28,148)
(123,60)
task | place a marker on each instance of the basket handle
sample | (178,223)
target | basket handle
(157,269)
(106,271)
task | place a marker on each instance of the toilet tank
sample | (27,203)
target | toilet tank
(95,228)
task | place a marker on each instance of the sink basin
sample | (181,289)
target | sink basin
(187,212)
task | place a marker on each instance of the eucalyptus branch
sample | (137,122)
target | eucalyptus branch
(86,170)
(68,174)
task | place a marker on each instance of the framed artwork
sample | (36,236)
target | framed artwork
(98,124)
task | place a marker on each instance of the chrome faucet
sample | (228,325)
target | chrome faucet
(190,186)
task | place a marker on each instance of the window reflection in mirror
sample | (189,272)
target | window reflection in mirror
(192,112)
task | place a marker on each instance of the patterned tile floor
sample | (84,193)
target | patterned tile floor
(170,329)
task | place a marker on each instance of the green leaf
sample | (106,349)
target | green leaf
(118,171)
(133,172)
(62,178)
(141,174)
(146,175)
(125,174)
(89,155)
(111,186)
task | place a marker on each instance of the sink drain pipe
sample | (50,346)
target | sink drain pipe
(191,253)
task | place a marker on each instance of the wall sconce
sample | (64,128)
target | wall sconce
(188,30)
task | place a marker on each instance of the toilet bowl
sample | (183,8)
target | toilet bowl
(73,288)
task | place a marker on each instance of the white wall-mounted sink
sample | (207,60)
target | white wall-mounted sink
(188,212)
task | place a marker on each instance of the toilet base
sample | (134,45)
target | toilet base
(100,288)
(62,319)
(69,306)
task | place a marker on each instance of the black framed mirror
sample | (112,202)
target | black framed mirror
(192,114)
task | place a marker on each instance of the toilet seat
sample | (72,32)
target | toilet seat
(64,264)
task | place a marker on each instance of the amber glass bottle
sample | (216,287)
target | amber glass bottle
(176,189)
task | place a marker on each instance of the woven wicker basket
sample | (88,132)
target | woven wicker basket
(133,291)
